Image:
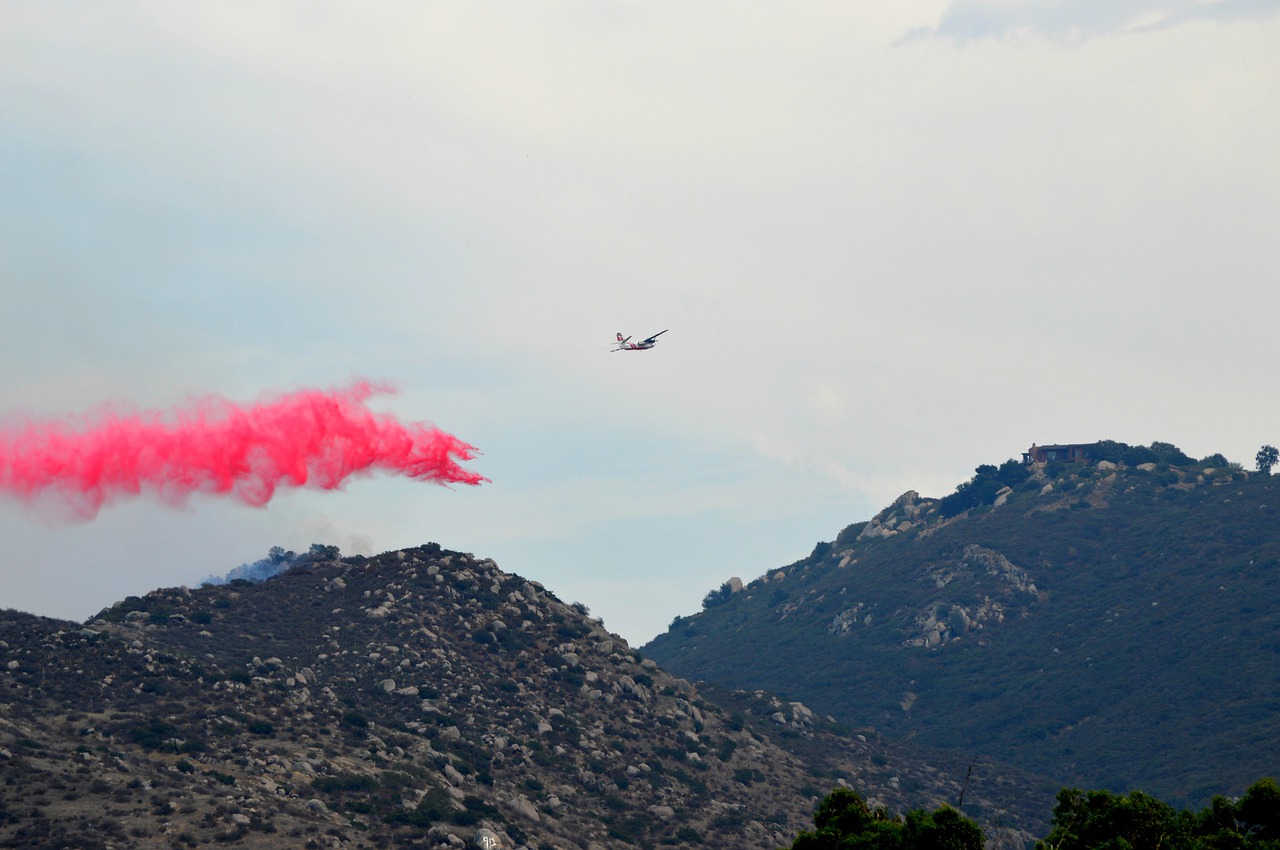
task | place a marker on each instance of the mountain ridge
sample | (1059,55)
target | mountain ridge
(1104,624)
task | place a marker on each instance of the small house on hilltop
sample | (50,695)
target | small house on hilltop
(1066,453)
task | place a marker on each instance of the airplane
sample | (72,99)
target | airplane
(642,345)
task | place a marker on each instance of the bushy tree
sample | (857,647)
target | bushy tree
(1259,812)
(983,487)
(944,829)
(844,821)
(1102,820)
(1171,454)
(323,552)
(1135,455)
(1012,473)
(1110,450)
(718,596)
(1267,457)
(1157,452)
(958,502)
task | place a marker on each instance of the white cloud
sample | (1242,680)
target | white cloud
(1078,20)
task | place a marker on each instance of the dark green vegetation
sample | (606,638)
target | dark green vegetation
(844,820)
(1109,624)
(1082,820)
(1266,458)
(1089,820)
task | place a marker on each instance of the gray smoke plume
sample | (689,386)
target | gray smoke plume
(277,561)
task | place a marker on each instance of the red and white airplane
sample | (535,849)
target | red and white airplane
(642,345)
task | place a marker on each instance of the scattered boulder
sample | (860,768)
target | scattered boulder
(486,839)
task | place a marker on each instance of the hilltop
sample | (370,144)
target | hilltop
(1113,622)
(420,698)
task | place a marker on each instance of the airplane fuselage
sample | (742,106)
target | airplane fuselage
(643,345)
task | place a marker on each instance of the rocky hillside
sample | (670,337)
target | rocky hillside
(1108,625)
(422,698)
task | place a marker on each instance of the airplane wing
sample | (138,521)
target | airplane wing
(658,334)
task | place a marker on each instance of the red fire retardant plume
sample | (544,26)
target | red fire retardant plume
(310,438)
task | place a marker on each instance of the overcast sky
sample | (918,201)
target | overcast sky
(891,241)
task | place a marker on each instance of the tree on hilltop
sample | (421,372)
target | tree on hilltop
(719,596)
(1267,457)
(983,487)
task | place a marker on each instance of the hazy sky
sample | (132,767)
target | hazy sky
(892,241)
